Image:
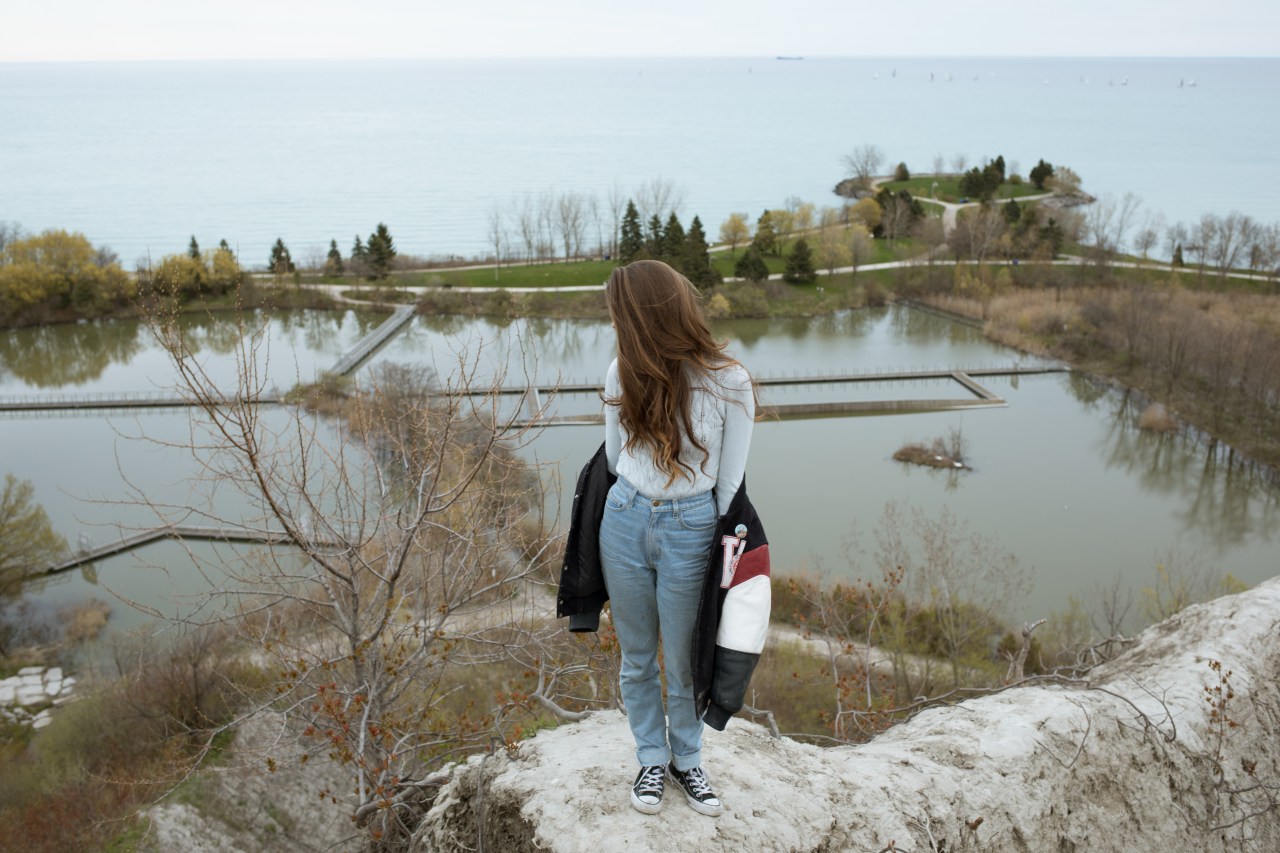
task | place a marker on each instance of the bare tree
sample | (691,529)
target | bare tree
(958,163)
(939,163)
(527,224)
(617,201)
(497,234)
(1230,238)
(658,197)
(570,220)
(863,164)
(1148,234)
(411,536)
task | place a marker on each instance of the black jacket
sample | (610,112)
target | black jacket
(733,611)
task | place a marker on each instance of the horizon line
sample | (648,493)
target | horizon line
(620,58)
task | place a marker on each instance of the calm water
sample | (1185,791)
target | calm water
(141,156)
(1063,479)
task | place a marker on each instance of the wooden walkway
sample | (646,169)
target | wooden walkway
(534,394)
(173,531)
(373,341)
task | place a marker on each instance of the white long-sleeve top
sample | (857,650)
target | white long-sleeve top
(722,420)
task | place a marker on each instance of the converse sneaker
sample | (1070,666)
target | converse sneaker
(697,789)
(646,791)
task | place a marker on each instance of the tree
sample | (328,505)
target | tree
(863,164)
(333,261)
(766,238)
(1064,181)
(1177,256)
(410,529)
(659,197)
(631,245)
(861,246)
(833,250)
(28,544)
(799,268)
(1040,173)
(751,266)
(570,212)
(59,275)
(697,259)
(1012,211)
(735,230)
(193,248)
(671,246)
(867,212)
(380,252)
(497,236)
(280,261)
(902,173)
(653,239)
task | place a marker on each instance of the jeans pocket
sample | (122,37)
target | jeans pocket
(618,498)
(700,518)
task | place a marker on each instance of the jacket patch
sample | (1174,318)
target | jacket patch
(744,618)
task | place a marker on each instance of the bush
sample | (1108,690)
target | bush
(901,173)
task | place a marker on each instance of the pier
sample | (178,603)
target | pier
(373,341)
(171,531)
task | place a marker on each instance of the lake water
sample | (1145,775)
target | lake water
(140,156)
(1062,477)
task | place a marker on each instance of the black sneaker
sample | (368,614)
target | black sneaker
(697,790)
(646,792)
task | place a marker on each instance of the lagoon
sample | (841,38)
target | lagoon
(1063,479)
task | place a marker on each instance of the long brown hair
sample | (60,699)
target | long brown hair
(663,340)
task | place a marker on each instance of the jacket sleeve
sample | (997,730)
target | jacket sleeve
(740,636)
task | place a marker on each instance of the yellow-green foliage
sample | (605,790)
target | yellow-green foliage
(56,275)
(213,273)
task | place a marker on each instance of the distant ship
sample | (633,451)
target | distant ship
(789,57)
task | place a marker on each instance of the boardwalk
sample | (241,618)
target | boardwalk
(373,341)
(979,395)
(174,531)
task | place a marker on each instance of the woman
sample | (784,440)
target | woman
(678,418)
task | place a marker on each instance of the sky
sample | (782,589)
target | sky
(90,30)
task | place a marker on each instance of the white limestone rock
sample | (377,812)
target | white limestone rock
(1062,768)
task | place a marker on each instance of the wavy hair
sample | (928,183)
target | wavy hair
(663,344)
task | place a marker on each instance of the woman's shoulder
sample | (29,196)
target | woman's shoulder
(733,377)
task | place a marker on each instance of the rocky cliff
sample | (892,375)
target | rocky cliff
(1155,750)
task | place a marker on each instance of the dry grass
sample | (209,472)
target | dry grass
(1156,418)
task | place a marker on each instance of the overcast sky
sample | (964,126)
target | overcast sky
(69,30)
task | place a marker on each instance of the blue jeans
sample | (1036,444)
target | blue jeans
(654,555)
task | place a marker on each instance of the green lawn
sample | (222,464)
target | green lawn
(949,188)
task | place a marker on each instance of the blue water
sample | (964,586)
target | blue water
(140,156)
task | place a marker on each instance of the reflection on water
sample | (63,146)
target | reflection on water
(123,356)
(1063,478)
(67,354)
(1221,494)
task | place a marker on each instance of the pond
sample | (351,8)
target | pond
(1062,479)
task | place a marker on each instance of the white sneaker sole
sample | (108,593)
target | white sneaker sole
(646,808)
(696,804)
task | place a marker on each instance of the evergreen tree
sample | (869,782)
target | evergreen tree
(1012,211)
(333,263)
(379,252)
(223,246)
(766,237)
(697,259)
(631,242)
(751,266)
(1040,173)
(800,264)
(358,250)
(902,173)
(1051,233)
(653,239)
(672,248)
(1177,256)
(193,248)
(280,262)
(998,165)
